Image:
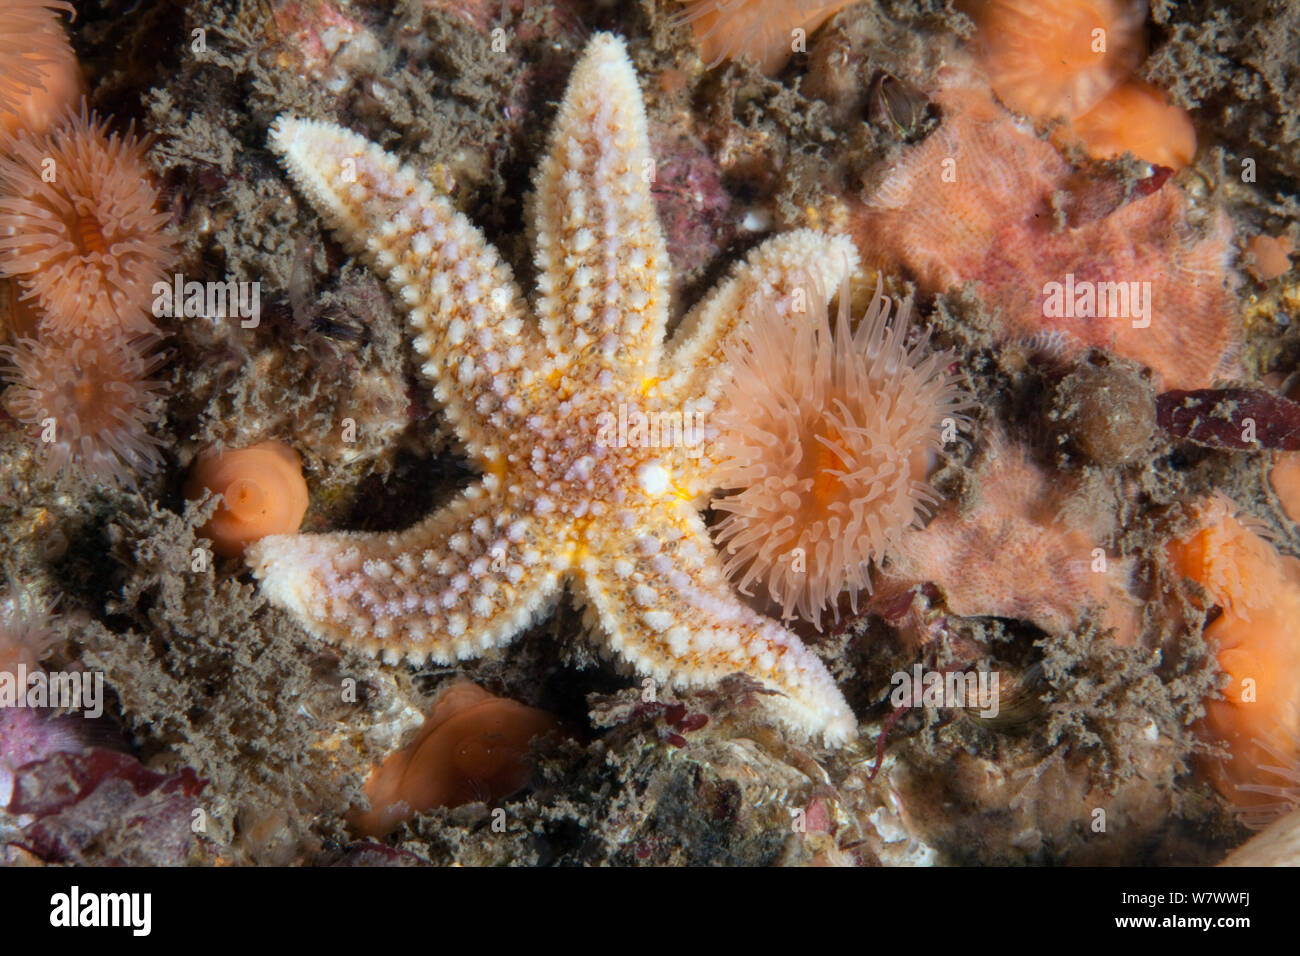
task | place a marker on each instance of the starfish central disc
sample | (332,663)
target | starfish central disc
(582,463)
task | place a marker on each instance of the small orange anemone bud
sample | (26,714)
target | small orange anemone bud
(827,439)
(78,227)
(39,75)
(1254,638)
(91,401)
(262,491)
(1271,256)
(1136,118)
(1056,58)
(472,746)
(761,30)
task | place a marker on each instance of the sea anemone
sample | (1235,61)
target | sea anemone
(27,734)
(1228,557)
(1054,59)
(761,30)
(78,227)
(1136,118)
(473,746)
(826,438)
(262,491)
(1282,791)
(39,76)
(25,632)
(1277,845)
(91,401)
(18,318)
(1258,591)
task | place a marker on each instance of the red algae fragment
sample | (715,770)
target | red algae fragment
(1234,418)
(472,746)
(1258,590)
(71,795)
(979,202)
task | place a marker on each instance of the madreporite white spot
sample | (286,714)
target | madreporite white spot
(653,479)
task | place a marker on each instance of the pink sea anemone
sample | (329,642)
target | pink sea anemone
(39,75)
(1136,118)
(1056,58)
(762,30)
(1284,789)
(92,402)
(25,632)
(825,439)
(79,229)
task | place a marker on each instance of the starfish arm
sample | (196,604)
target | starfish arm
(772,271)
(601,261)
(466,310)
(467,579)
(670,613)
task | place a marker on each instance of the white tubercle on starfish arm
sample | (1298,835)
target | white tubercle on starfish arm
(670,612)
(471,323)
(603,271)
(465,580)
(773,271)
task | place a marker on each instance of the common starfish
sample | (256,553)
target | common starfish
(557,501)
